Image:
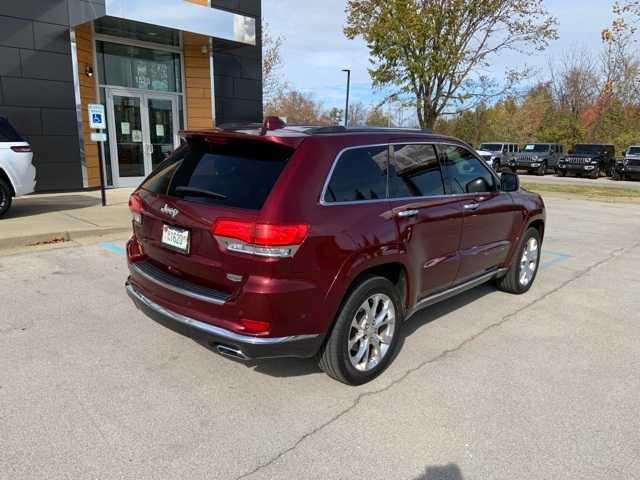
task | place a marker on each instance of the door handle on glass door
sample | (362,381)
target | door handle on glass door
(408,213)
(472,206)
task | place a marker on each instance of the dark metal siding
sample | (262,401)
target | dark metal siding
(238,69)
(36,87)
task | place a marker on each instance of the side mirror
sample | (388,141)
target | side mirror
(478,185)
(570,152)
(509,182)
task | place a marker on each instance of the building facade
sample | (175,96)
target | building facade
(157,66)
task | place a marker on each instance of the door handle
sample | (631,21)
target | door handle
(472,206)
(408,213)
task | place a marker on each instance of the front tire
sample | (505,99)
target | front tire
(596,173)
(524,269)
(5,198)
(366,334)
(542,169)
(562,173)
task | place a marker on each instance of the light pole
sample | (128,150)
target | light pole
(346,109)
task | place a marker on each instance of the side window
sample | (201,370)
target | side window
(414,171)
(360,174)
(464,172)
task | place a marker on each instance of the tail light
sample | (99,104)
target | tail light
(261,239)
(136,205)
(23,149)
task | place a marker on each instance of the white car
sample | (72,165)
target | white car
(17,173)
(488,157)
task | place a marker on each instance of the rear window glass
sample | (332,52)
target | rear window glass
(8,133)
(360,174)
(238,174)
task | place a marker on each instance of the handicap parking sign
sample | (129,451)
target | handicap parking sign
(96,116)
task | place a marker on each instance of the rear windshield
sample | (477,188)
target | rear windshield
(8,133)
(237,174)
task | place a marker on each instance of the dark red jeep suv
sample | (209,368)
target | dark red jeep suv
(280,241)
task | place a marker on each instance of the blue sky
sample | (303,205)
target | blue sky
(315,49)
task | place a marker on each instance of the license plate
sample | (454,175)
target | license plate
(175,238)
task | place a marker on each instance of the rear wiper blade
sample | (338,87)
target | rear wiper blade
(200,191)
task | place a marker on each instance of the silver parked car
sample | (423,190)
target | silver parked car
(498,154)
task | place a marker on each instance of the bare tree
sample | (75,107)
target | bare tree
(575,81)
(272,82)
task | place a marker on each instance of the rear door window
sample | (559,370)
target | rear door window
(8,133)
(462,169)
(238,174)
(360,174)
(414,171)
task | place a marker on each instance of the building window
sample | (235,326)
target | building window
(143,32)
(137,67)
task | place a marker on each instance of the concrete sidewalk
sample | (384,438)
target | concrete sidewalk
(63,217)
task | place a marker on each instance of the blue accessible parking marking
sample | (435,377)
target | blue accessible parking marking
(549,259)
(112,247)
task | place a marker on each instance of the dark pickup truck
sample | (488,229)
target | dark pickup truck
(590,160)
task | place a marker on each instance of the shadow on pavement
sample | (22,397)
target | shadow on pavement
(27,206)
(444,472)
(293,367)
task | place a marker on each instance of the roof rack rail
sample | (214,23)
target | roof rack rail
(240,126)
(342,129)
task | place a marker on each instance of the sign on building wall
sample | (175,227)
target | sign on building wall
(96,116)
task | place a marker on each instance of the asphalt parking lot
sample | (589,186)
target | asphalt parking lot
(487,385)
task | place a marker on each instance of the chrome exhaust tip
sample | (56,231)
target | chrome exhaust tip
(232,352)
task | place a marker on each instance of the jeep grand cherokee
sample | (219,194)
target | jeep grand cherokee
(275,241)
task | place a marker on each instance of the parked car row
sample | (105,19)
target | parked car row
(584,160)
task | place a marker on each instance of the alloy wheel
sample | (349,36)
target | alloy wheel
(371,332)
(529,262)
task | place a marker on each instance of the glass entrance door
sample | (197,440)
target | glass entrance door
(161,113)
(142,132)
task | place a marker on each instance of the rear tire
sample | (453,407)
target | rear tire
(364,338)
(5,197)
(525,265)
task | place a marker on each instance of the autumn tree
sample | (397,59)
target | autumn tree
(376,117)
(435,50)
(297,108)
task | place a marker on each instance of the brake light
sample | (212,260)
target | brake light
(26,149)
(262,239)
(136,205)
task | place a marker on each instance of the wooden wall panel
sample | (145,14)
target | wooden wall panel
(197,74)
(88,94)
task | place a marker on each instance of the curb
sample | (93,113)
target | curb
(58,237)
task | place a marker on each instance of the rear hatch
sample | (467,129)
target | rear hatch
(207,179)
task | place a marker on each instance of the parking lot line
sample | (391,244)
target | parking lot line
(114,248)
(556,257)
(550,259)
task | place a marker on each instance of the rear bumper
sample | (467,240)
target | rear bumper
(301,346)
(25,181)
